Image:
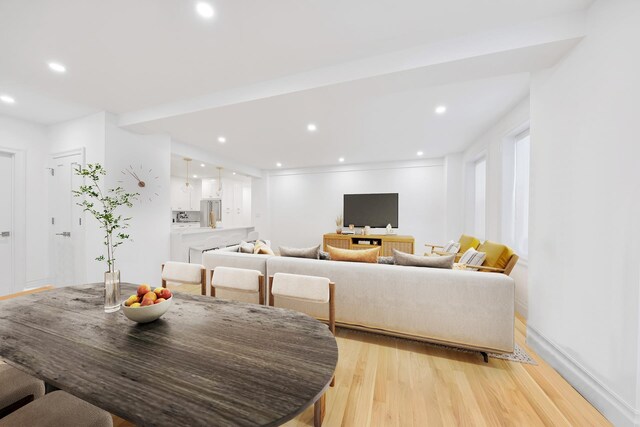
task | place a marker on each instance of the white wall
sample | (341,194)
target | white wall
(31,234)
(303,204)
(584,247)
(491,145)
(140,260)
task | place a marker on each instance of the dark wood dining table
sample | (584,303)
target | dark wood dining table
(207,361)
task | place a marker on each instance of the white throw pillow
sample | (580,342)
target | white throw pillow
(472,258)
(451,247)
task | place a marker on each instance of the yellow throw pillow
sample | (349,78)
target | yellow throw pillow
(498,255)
(467,242)
(261,248)
(353,255)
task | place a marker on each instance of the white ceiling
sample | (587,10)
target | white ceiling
(123,56)
(208,171)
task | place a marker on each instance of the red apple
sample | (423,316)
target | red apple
(146,302)
(143,289)
(159,300)
(166,293)
(158,291)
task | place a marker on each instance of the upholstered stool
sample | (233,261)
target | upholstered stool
(311,289)
(17,389)
(238,280)
(58,409)
(184,273)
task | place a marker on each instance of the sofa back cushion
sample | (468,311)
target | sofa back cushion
(498,255)
(300,252)
(354,255)
(445,261)
(467,242)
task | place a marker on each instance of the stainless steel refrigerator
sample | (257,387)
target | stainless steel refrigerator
(207,207)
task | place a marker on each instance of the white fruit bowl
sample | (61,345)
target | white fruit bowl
(147,313)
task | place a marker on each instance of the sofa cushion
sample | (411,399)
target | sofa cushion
(354,255)
(300,252)
(467,242)
(498,255)
(445,261)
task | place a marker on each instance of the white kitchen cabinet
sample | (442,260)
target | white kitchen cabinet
(181,201)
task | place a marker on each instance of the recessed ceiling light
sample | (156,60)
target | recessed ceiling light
(202,165)
(195,176)
(341,159)
(57,67)
(234,173)
(279,164)
(222,139)
(7,99)
(441,109)
(205,10)
(419,153)
(311,127)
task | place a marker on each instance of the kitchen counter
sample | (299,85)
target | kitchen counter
(188,243)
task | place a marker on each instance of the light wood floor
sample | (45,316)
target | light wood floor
(383,381)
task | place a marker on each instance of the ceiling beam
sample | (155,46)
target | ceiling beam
(556,29)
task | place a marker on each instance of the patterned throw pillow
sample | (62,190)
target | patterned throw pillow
(472,258)
(386,260)
(324,256)
(451,247)
(261,248)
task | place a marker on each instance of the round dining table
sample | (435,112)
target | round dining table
(207,361)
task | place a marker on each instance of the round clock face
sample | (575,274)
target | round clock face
(142,181)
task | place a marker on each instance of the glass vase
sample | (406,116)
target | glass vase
(111,291)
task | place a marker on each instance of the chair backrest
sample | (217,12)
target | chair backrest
(236,278)
(308,288)
(182,272)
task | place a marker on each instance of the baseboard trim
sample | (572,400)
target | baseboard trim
(32,284)
(521,308)
(616,410)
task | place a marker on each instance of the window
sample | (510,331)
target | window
(479,197)
(520,230)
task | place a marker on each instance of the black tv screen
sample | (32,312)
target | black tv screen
(374,210)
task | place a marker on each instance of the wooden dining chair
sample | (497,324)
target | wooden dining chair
(312,289)
(184,273)
(58,409)
(238,280)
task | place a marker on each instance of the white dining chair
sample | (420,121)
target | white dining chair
(17,389)
(184,273)
(238,280)
(57,409)
(312,289)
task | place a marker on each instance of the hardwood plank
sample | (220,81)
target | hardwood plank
(437,386)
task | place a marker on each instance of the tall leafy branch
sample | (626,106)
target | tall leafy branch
(103,205)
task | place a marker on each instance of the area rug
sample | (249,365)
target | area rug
(519,354)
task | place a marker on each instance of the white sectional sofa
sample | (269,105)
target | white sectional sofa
(460,308)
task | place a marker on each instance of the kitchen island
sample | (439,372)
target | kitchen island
(187,244)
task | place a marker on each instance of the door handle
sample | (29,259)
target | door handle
(5,234)
(64,234)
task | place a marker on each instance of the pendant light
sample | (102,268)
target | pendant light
(187,187)
(219,191)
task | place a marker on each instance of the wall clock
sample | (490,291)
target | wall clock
(142,181)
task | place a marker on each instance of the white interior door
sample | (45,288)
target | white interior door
(66,221)
(6,224)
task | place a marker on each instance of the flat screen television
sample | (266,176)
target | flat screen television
(374,210)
